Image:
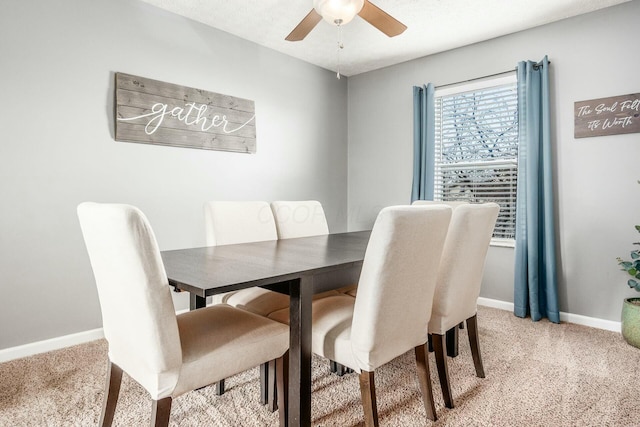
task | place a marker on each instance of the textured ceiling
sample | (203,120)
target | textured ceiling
(433,26)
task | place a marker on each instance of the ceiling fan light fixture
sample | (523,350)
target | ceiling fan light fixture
(338,12)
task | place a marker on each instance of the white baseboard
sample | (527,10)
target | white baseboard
(50,344)
(495,303)
(38,347)
(593,322)
(26,350)
(608,325)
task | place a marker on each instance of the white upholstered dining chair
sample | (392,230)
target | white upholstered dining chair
(165,353)
(233,222)
(459,280)
(453,204)
(299,218)
(388,317)
(306,218)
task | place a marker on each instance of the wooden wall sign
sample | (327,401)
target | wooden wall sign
(607,116)
(154,112)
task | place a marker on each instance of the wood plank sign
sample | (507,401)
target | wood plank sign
(607,116)
(154,112)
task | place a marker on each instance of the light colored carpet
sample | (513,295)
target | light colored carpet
(538,374)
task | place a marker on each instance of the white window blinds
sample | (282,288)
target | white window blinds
(477,148)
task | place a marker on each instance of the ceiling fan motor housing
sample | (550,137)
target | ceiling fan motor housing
(338,12)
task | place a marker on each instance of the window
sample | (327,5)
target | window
(476,153)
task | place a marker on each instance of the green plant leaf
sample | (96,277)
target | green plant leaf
(625,264)
(634,284)
(632,271)
(635,254)
(638,276)
(638,228)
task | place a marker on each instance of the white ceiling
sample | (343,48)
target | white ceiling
(433,26)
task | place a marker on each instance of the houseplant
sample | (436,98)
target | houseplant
(631,306)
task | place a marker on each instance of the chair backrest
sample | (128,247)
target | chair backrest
(299,219)
(397,282)
(462,265)
(138,314)
(228,223)
(453,203)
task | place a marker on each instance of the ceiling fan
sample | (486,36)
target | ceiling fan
(340,12)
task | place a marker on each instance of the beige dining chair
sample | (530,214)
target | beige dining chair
(388,317)
(165,353)
(233,222)
(299,218)
(452,334)
(453,204)
(305,218)
(459,280)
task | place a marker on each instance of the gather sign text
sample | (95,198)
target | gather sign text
(155,112)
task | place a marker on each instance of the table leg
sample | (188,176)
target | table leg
(301,293)
(196,301)
(452,342)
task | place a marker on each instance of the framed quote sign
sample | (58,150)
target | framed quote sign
(607,116)
(154,112)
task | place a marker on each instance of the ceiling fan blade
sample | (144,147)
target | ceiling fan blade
(381,19)
(304,27)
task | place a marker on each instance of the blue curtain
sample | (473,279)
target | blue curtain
(424,137)
(536,288)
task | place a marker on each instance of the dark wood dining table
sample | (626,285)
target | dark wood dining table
(298,267)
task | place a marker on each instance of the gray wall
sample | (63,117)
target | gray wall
(57,150)
(598,199)
(56,118)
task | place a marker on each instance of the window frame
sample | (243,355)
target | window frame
(503,79)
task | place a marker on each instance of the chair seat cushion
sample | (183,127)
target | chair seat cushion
(258,300)
(220,341)
(331,336)
(349,290)
(222,298)
(264,302)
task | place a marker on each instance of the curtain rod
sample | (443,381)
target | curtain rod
(539,64)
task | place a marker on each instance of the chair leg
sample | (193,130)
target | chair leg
(474,343)
(160,412)
(111,392)
(220,387)
(272,401)
(282,374)
(443,372)
(338,369)
(424,379)
(368,393)
(264,383)
(452,342)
